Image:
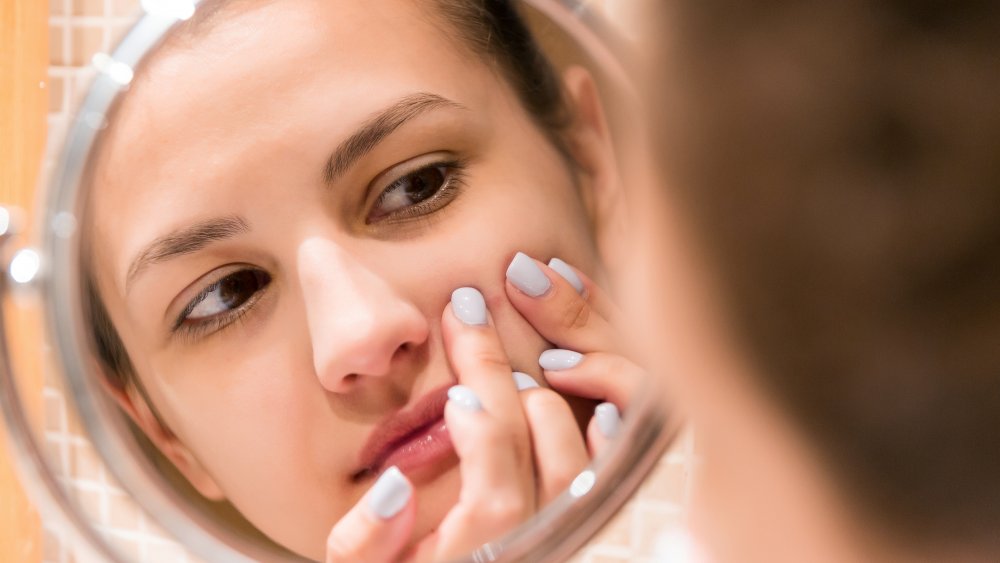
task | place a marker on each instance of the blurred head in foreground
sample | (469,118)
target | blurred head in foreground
(830,316)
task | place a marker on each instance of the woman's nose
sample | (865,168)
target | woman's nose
(359,326)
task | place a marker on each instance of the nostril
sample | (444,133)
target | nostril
(350,378)
(401,351)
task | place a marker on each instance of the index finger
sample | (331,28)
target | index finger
(478,358)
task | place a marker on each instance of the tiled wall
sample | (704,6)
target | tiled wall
(80,28)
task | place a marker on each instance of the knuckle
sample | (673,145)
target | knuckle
(499,437)
(490,357)
(505,510)
(575,314)
(545,401)
(496,436)
(340,549)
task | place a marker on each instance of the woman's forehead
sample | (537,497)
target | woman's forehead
(267,86)
(273,68)
(282,45)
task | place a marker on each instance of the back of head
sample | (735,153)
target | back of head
(842,163)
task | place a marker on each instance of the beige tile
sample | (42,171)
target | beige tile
(649,524)
(53,408)
(157,552)
(88,7)
(123,512)
(84,42)
(616,532)
(57,7)
(90,502)
(85,464)
(54,455)
(56,37)
(667,483)
(124,7)
(607,558)
(55,86)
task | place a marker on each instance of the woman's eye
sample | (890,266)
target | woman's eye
(226,296)
(414,189)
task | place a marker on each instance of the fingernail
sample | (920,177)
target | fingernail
(608,419)
(469,306)
(390,493)
(527,276)
(465,398)
(567,273)
(556,360)
(524,381)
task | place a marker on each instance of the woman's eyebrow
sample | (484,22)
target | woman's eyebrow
(185,241)
(378,127)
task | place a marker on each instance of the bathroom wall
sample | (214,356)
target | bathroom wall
(80,28)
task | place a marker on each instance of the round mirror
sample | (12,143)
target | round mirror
(336,280)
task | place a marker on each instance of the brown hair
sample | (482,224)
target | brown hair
(842,163)
(496,32)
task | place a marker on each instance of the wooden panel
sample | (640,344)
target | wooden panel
(23,105)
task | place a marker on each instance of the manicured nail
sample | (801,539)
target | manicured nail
(465,398)
(469,305)
(556,360)
(524,381)
(608,419)
(390,493)
(567,273)
(527,276)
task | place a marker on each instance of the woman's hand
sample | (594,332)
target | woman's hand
(573,313)
(518,445)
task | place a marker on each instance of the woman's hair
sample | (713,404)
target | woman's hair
(841,162)
(492,29)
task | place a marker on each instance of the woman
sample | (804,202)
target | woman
(312,220)
(834,311)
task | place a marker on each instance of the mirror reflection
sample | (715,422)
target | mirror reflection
(344,267)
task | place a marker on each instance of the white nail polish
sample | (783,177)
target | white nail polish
(567,273)
(527,276)
(524,381)
(609,421)
(469,306)
(390,493)
(557,360)
(465,398)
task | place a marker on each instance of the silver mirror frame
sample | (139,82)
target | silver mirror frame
(556,532)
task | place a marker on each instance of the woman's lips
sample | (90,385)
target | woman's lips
(412,439)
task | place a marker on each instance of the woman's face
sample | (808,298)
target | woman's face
(284,206)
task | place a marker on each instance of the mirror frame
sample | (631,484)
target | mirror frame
(555,533)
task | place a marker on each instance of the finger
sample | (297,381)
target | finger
(605,377)
(378,528)
(480,362)
(496,494)
(603,428)
(551,302)
(557,444)
(487,463)
(593,293)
